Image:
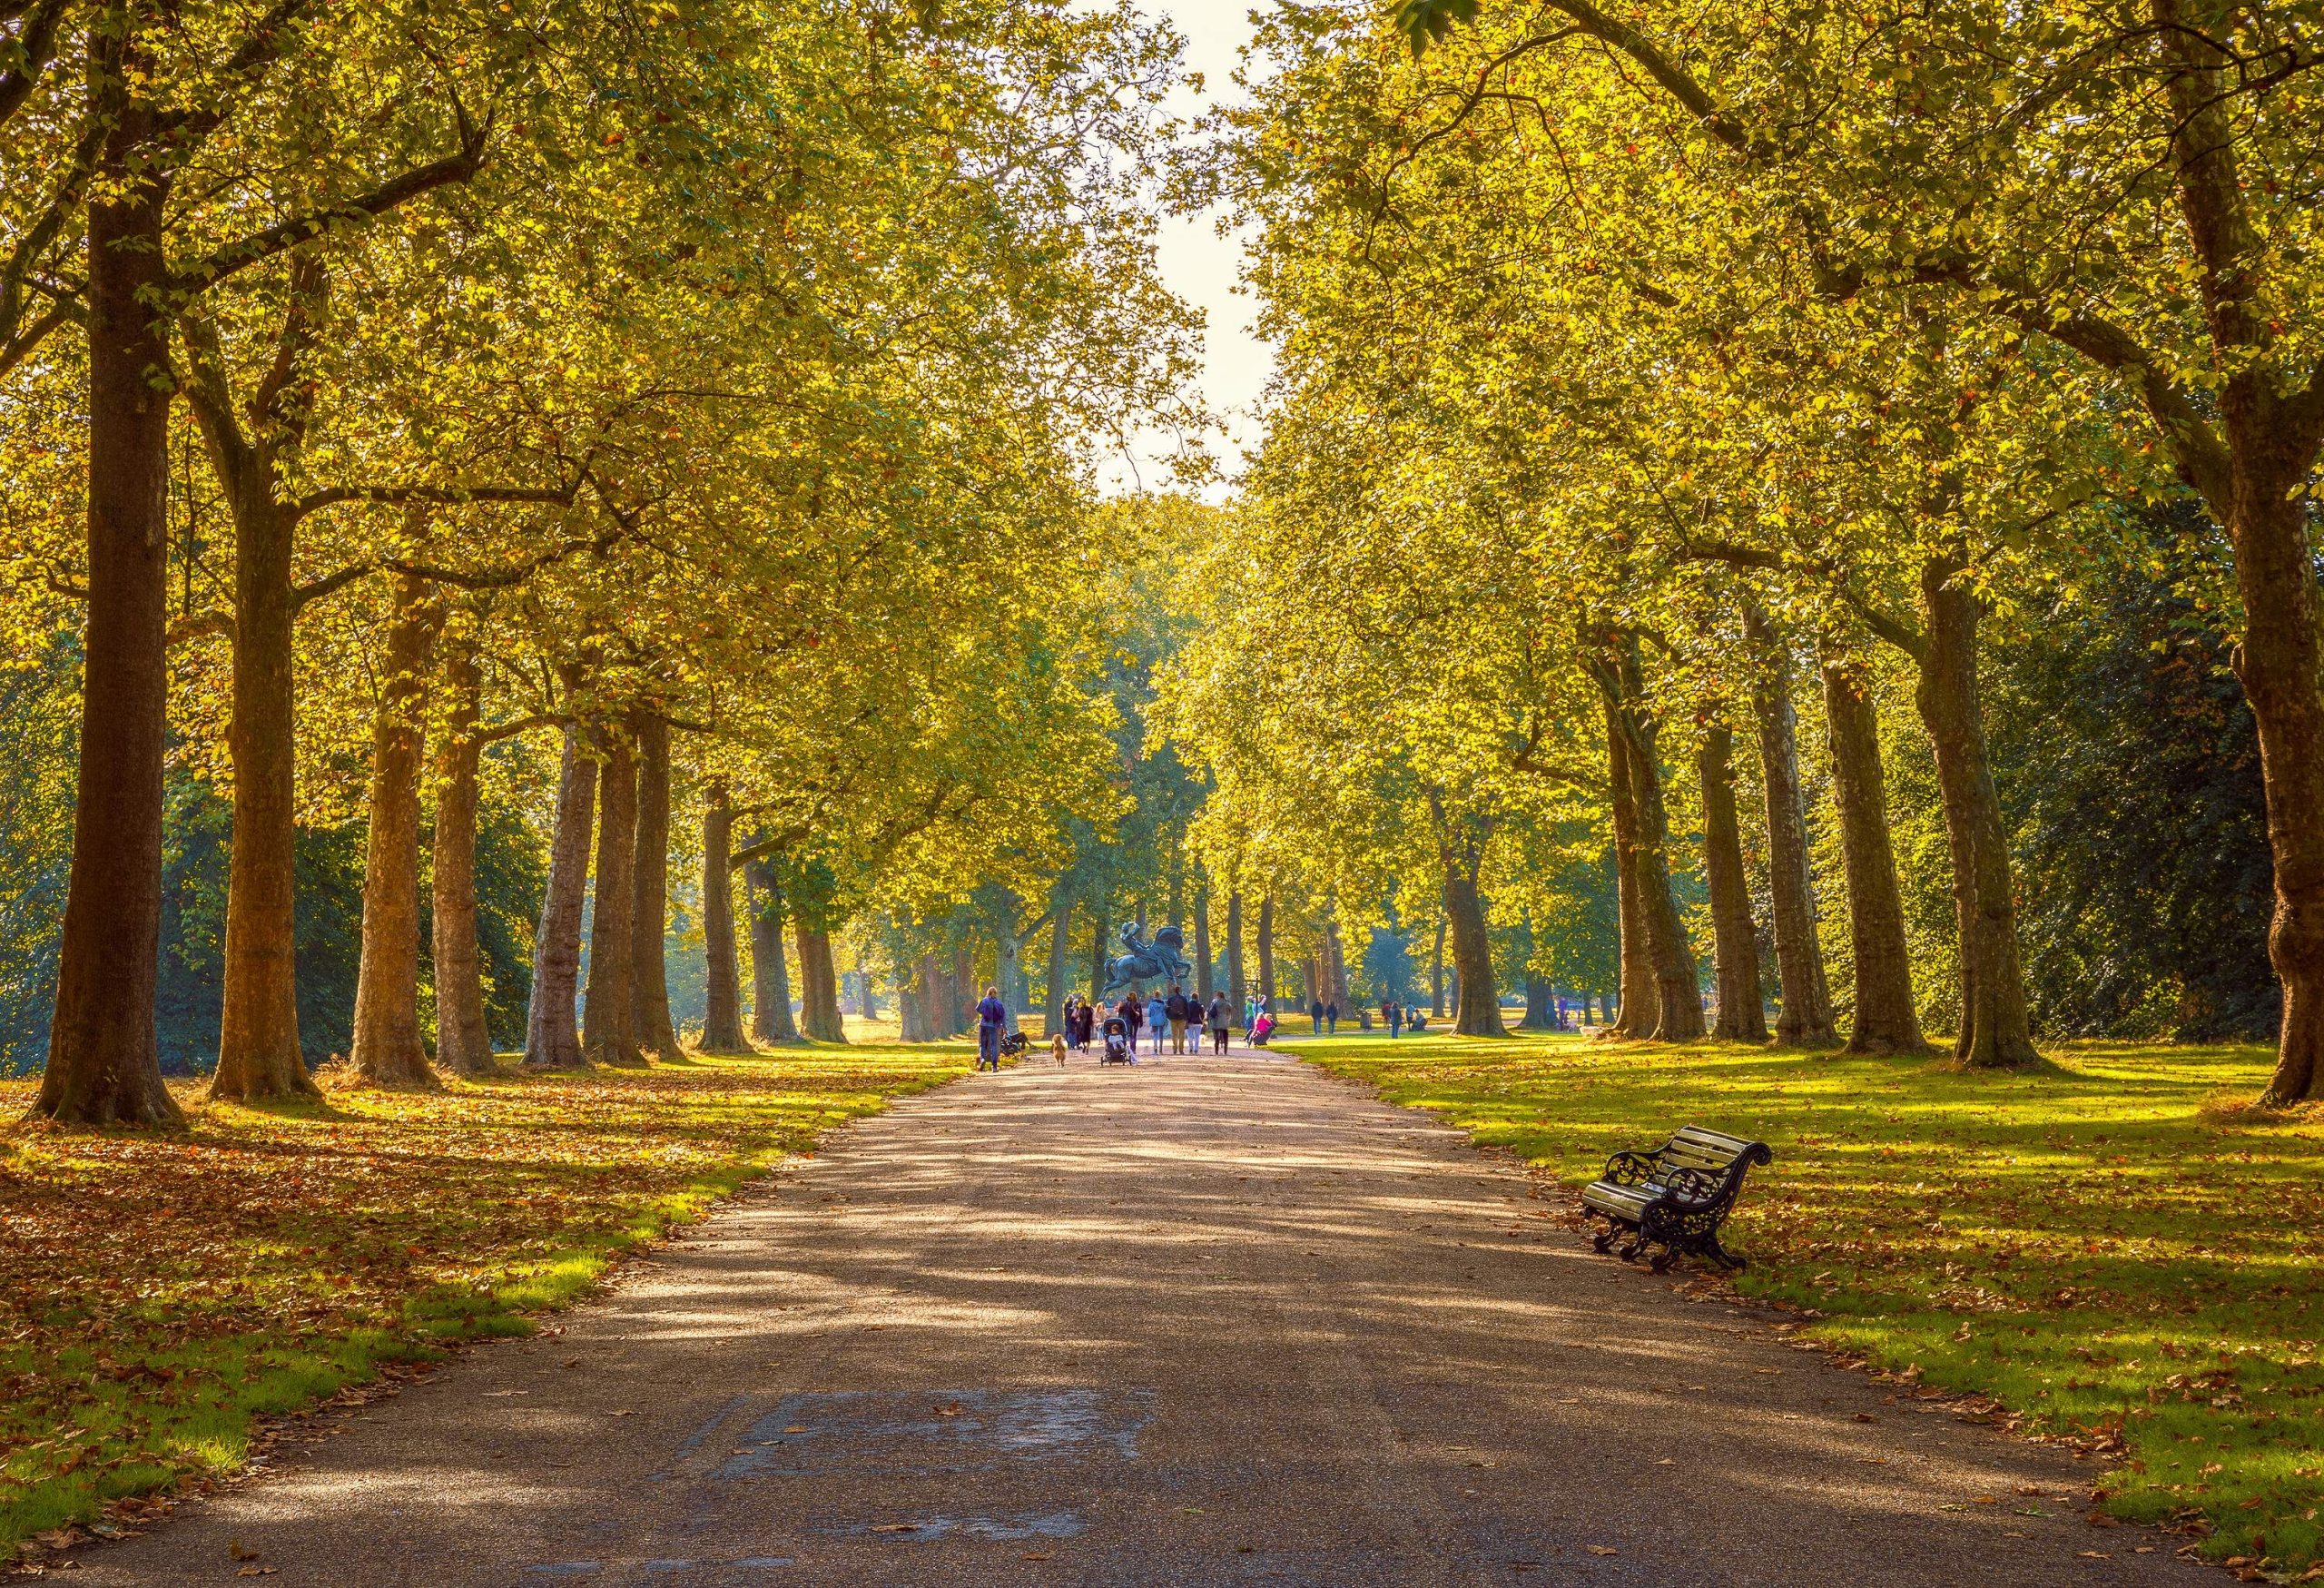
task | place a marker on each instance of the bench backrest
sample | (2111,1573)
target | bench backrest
(1714,1156)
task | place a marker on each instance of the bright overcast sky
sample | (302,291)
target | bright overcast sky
(1199,265)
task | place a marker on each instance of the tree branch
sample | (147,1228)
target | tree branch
(224,261)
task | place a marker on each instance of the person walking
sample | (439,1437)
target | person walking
(1157,1016)
(1133,1012)
(1084,1024)
(1314,1017)
(992,1022)
(1395,1015)
(1220,1014)
(1331,1018)
(1180,1009)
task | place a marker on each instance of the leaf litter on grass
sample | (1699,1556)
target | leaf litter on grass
(159,1294)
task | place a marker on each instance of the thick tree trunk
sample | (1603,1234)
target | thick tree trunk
(1060,946)
(817,986)
(649,993)
(103,1064)
(1479,1010)
(1008,968)
(2277,664)
(1635,970)
(1335,968)
(463,1037)
(722,1024)
(1266,952)
(552,1036)
(1884,1020)
(387,1049)
(1735,940)
(770,1016)
(1994,1030)
(1678,990)
(258,1039)
(2256,484)
(1540,1014)
(1205,982)
(1436,975)
(920,997)
(1237,990)
(607,1032)
(1804,1018)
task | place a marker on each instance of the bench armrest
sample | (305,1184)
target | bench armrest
(1631,1168)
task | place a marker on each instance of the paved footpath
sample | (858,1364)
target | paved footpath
(1199,1322)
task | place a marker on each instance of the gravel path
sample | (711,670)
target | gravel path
(1200,1322)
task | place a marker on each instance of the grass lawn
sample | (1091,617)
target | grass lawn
(159,1294)
(2111,1247)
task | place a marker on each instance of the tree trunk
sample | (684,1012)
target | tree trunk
(1436,975)
(1635,972)
(552,1036)
(1335,967)
(1266,952)
(1995,1031)
(463,1038)
(649,993)
(1236,990)
(607,1033)
(2278,665)
(771,1017)
(1540,1014)
(1677,989)
(1805,1015)
(1886,1021)
(1060,946)
(818,985)
(103,1064)
(921,1003)
(1097,951)
(1205,983)
(1479,1010)
(1007,964)
(1735,940)
(387,1050)
(722,1024)
(257,1039)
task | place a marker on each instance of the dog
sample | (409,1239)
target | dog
(1056,1046)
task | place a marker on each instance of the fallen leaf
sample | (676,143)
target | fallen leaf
(1038,1555)
(1599,1549)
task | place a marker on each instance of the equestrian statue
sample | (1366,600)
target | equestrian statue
(1164,959)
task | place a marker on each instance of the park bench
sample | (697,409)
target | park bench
(1675,1197)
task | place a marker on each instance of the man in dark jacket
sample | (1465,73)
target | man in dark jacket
(1180,1009)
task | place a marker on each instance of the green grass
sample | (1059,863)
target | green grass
(2111,1247)
(160,1296)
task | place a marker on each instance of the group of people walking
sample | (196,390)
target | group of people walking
(1177,1014)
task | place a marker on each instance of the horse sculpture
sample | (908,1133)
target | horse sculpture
(1164,959)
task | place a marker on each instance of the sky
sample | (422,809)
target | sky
(1201,266)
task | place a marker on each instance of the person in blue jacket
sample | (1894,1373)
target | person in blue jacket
(992,1021)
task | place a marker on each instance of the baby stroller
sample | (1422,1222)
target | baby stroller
(1118,1048)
